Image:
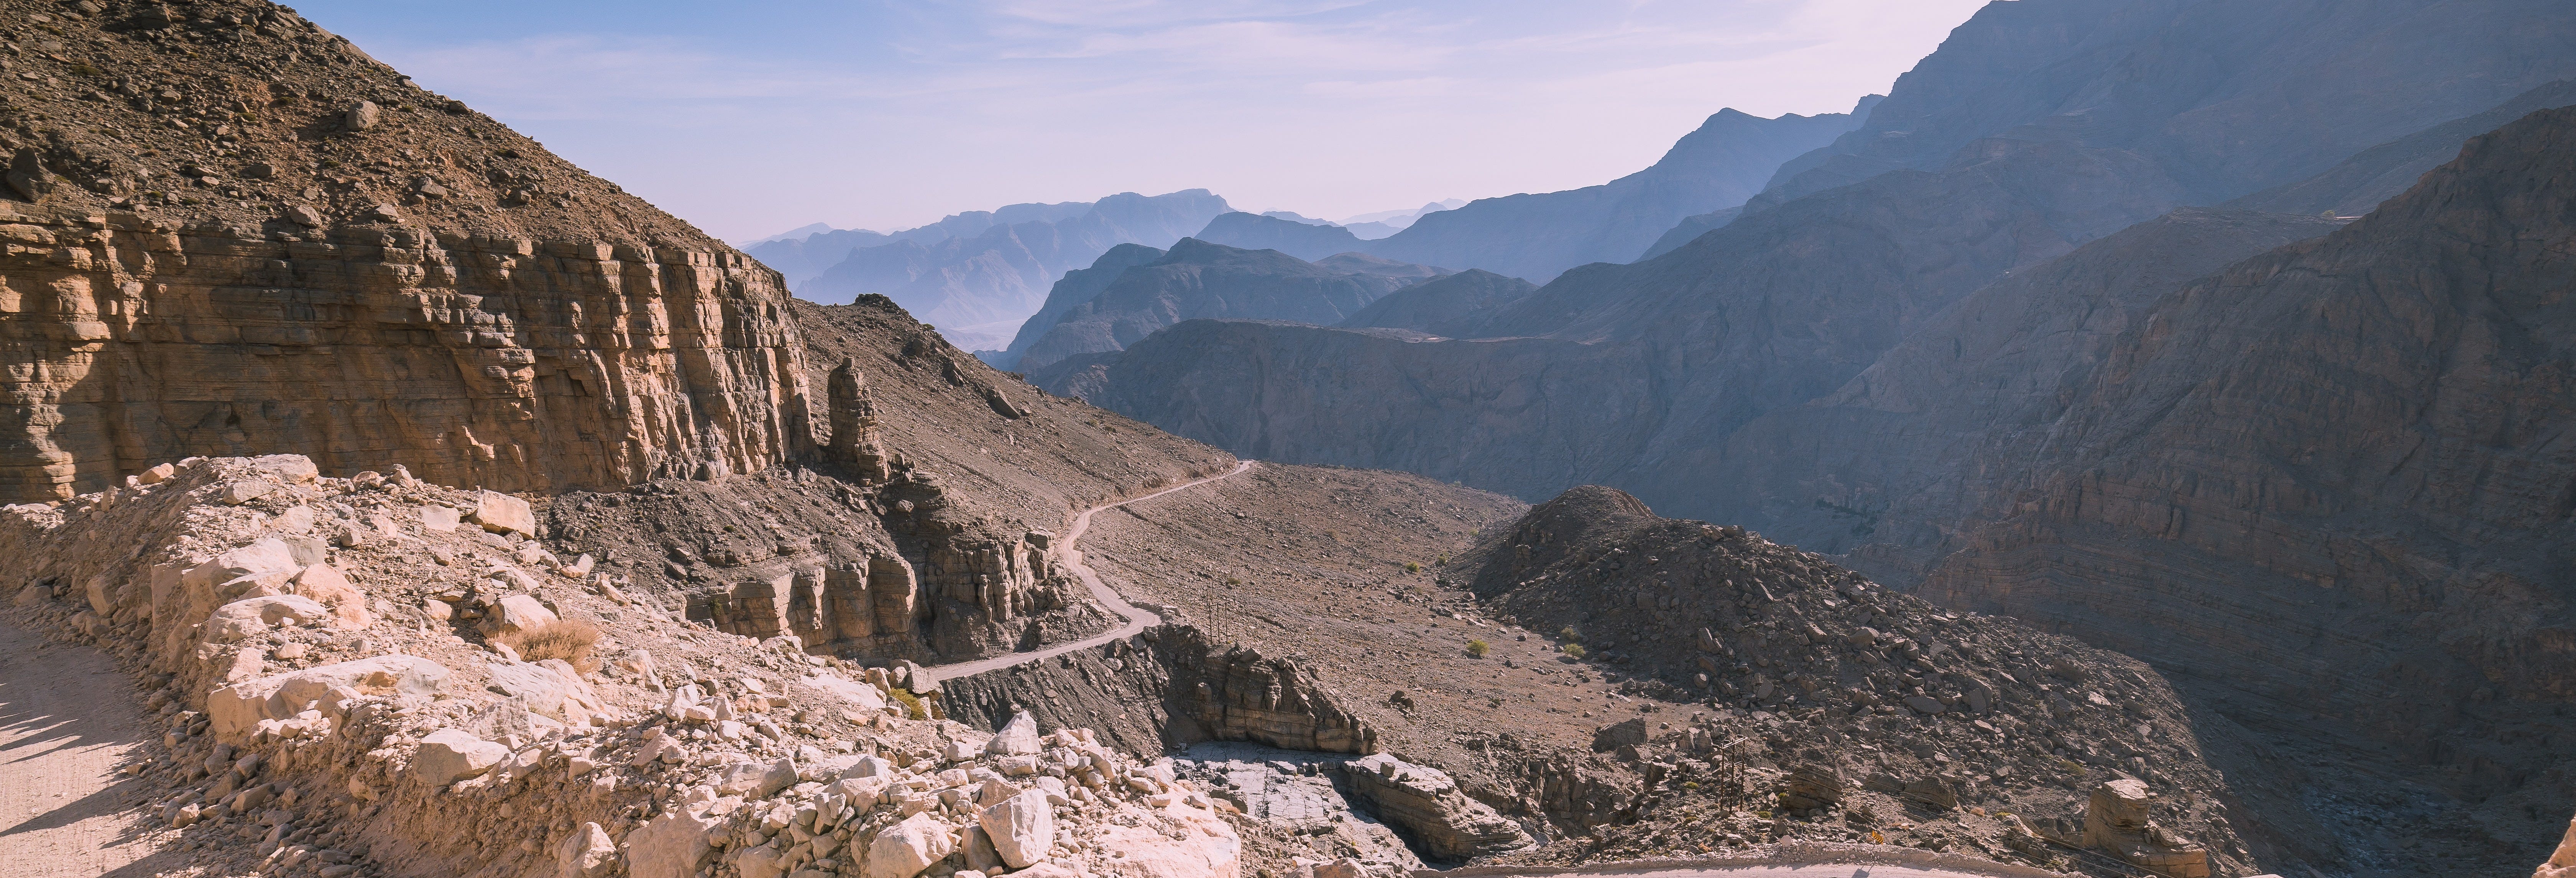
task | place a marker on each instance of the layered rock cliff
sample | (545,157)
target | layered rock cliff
(324,258)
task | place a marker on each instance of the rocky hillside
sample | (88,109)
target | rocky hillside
(1197,279)
(1879,712)
(2225,98)
(2342,455)
(2358,184)
(223,189)
(1455,305)
(1536,236)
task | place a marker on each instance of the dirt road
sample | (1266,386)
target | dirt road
(1137,618)
(68,725)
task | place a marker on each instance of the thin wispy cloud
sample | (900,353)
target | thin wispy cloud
(883,115)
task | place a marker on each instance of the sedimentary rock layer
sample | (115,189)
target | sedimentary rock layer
(503,362)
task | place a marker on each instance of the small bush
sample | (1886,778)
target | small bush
(1573,649)
(911,704)
(567,639)
(1412,566)
(1569,635)
(1479,648)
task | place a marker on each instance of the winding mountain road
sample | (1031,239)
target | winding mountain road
(1070,555)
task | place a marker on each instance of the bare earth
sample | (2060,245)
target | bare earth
(67,725)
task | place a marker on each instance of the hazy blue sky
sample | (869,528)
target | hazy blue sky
(752,118)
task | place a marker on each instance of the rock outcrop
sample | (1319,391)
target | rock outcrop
(1423,800)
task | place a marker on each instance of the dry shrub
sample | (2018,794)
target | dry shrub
(567,639)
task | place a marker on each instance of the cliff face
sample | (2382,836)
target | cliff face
(325,259)
(503,362)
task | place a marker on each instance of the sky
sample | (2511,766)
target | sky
(751,119)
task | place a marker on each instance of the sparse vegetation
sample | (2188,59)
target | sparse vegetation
(911,704)
(1572,649)
(1412,566)
(1478,648)
(567,639)
(1569,635)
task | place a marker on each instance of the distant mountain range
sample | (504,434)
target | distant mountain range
(978,275)
(1134,291)
(1718,166)
(1987,344)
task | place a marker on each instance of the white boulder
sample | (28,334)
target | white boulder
(1022,828)
(906,848)
(450,755)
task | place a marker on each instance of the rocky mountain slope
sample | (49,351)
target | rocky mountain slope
(2225,98)
(1252,231)
(2358,184)
(1197,279)
(225,190)
(2341,454)
(1536,236)
(1454,305)
(1608,368)
(978,286)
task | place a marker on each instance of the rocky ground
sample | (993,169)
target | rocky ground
(1718,672)
(354,704)
(244,114)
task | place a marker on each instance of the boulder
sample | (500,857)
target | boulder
(586,853)
(502,513)
(361,116)
(248,616)
(236,708)
(760,861)
(515,613)
(756,781)
(906,848)
(264,556)
(1019,737)
(674,845)
(439,519)
(326,584)
(1611,737)
(246,490)
(450,755)
(1022,827)
(556,693)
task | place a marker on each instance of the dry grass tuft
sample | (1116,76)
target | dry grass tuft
(567,639)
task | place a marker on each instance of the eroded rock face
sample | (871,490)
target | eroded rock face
(510,363)
(1428,804)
